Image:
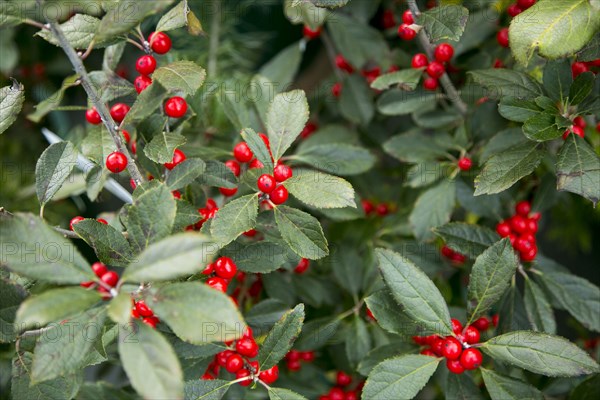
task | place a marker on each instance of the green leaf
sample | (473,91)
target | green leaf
(444,22)
(200,389)
(419,297)
(502,141)
(184,76)
(358,341)
(53,167)
(467,239)
(504,169)
(258,147)
(462,387)
(33,249)
(320,190)
(390,316)
(125,15)
(540,353)
(79,30)
(110,86)
(302,232)
(22,387)
(175,18)
(402,102)
(407,79)
(176,304)
(506,82)
(151,217)
(317,333)
(11,102)
(110,245)
(53,305)
(53,101)
(518,110)
(145,104)
(281,69)
(329,3)
(578,169)
(119,308)
(235,218)
(64,350)
(261,257)
(150,362)
(538,308)
(432,209)
(337,158)
(357,41)
(400,378)
(578,296)
(286,118)
(414,147)
(490,278)
(281,338)
(581,88)
(502,387)
(176,256)
(218,174)
(381,353)
(284,394)
(185,173)
(356,100)
(161,147)
(561,28)
(589,389)
(11,296)
(348,269)
(542,127)
(558,79)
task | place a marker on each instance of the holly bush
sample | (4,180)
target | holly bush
(357,216)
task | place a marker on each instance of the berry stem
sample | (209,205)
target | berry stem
(445,79)
(213,46)
(67,233)
(265,385)
(136,44)
(100,106)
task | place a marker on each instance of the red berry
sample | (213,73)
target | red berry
(343,379)
(382,210)
(93,117)
(293,355)
(221,358)
(471,335)
(419,60)
(151,321)
(247,347)
(243,373)
(428,352)
(407,18)
(110,278)
(119,111)
(456,326)
(495,319)
(498,63)
(308,356)
(234,363)
(126,136)
(525,4)
(248,333)
(579,68)
(160,42)
(242,152)
(265,140)
(455,366)
(406,33)
(310,34)
(502,37)
(482,324)
(217,283)
(279,195)
(430,83)
(532,225)
(176,107)
(270,375)
(438,346)
(234,166)
(145,65)
(435,69)
(102,221)
(143,309)
(308,130)
(471,358)
(523,208)
(523,245)
(178,158)
(209,269)
(266,183)
(464,163)
(503,229)
(75,220)
(282,173)
(336,89)
(513,10)
(228,192)
(141,83)
(444,52)
(579,121)
(518,224)
(388,19)
(343,64)
(225,268)
(367,206)
(578,130)
(451,348)
(99,269)
(598,127)
(302,266)
(116,162)
(529,255)
(336,393)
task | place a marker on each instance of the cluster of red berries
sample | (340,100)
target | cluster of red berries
(238,362)
(110,278)
(405,32)
(207,212)
(221,272)
(370,74)
(578,128)
(457,350)
(294,358)
(579,67)
(140,310)
(342,381)
(434,69)
(521,229)
(453,256)
(116,162)
(370,208)
(302,266)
